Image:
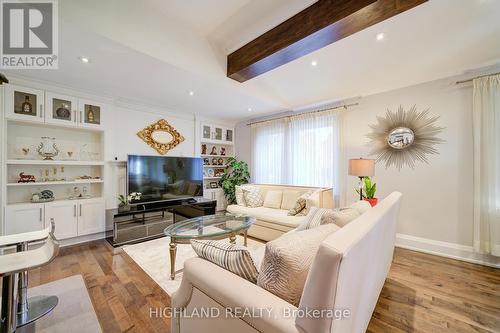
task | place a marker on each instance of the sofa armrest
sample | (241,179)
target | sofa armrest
(232,291)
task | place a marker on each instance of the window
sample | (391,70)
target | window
(300,150)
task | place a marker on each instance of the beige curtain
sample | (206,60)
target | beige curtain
(486,128)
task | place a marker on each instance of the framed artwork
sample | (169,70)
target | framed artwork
(218,133)
(206,132)
(213,185)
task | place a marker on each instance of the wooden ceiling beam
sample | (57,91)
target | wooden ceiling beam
(317,26)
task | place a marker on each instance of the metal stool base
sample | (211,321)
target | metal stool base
(38,306)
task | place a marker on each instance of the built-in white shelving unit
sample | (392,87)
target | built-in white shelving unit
(76,171)
(217,146)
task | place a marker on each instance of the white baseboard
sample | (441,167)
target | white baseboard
(445,249)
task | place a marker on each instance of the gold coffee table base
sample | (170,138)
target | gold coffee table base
(174,241)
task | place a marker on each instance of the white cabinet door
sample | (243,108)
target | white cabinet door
(61,109)
(23,218)
(90,114)
(229,135)
(24,103)
(65,218)
(208,194)
(206,132)
(91,216)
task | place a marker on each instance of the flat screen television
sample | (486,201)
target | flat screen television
(161,178)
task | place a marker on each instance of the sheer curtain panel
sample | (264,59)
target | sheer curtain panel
(486,122)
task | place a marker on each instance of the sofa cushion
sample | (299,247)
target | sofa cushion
(235,258)
(289,199)
(340,217)
(252,196)
(300,204)
(287,260)
(277,216)
(273,199)
(238,193)
(314,218)
(361,206)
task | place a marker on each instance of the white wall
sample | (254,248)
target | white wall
(437,202)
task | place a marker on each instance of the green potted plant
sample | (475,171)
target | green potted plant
(124,201)
(236,174)
(368,191)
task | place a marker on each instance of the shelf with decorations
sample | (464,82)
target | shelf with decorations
(48,158)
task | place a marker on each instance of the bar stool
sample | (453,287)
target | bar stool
(16,309)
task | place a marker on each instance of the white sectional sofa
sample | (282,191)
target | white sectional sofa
(347,273)
(272,222)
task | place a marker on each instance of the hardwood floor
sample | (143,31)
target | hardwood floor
(423,293)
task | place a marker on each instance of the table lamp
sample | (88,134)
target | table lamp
(361,168)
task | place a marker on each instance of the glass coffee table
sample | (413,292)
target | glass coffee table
(214,227)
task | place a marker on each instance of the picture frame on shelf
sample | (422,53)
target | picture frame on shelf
(218,172)
(210,172)
(213,185)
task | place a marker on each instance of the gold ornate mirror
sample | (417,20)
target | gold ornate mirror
(161,136)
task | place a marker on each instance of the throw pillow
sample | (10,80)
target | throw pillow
(313,200)
(252,196)
(314,218)
(300,205)
(232,257)
(287,260)
(238,192)
(361,206)
(273,199)
(289,199)
(340,217)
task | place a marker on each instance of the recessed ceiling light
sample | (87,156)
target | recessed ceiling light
(85,59)
(380,36)
(191,93)
(314,63)
(249,109)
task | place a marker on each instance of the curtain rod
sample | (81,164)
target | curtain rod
(345,106)
(477,77)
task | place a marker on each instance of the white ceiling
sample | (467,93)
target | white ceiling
(156,52)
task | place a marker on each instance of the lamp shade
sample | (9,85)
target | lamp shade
(361,167)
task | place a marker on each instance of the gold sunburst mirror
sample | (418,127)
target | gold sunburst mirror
(161,136)
(404,137)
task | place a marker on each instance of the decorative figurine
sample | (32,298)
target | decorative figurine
(27,107)
(76,193)
(214,151)
(48,148)
(90,115)
(215,161)
(203,149)
(26,178)
(43,196)
(220,161)
(223,151)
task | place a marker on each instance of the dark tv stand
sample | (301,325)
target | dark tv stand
(147,221)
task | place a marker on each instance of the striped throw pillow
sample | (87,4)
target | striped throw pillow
(313,218)
(232,257)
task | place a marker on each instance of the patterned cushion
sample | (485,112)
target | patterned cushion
(300,204)
(287,260)
(314,218)
(238,192)
(361,206)
(232,257)
(340,217)
(253,197)
(273,199)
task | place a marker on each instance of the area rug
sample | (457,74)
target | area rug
(74,313)
(154,259)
